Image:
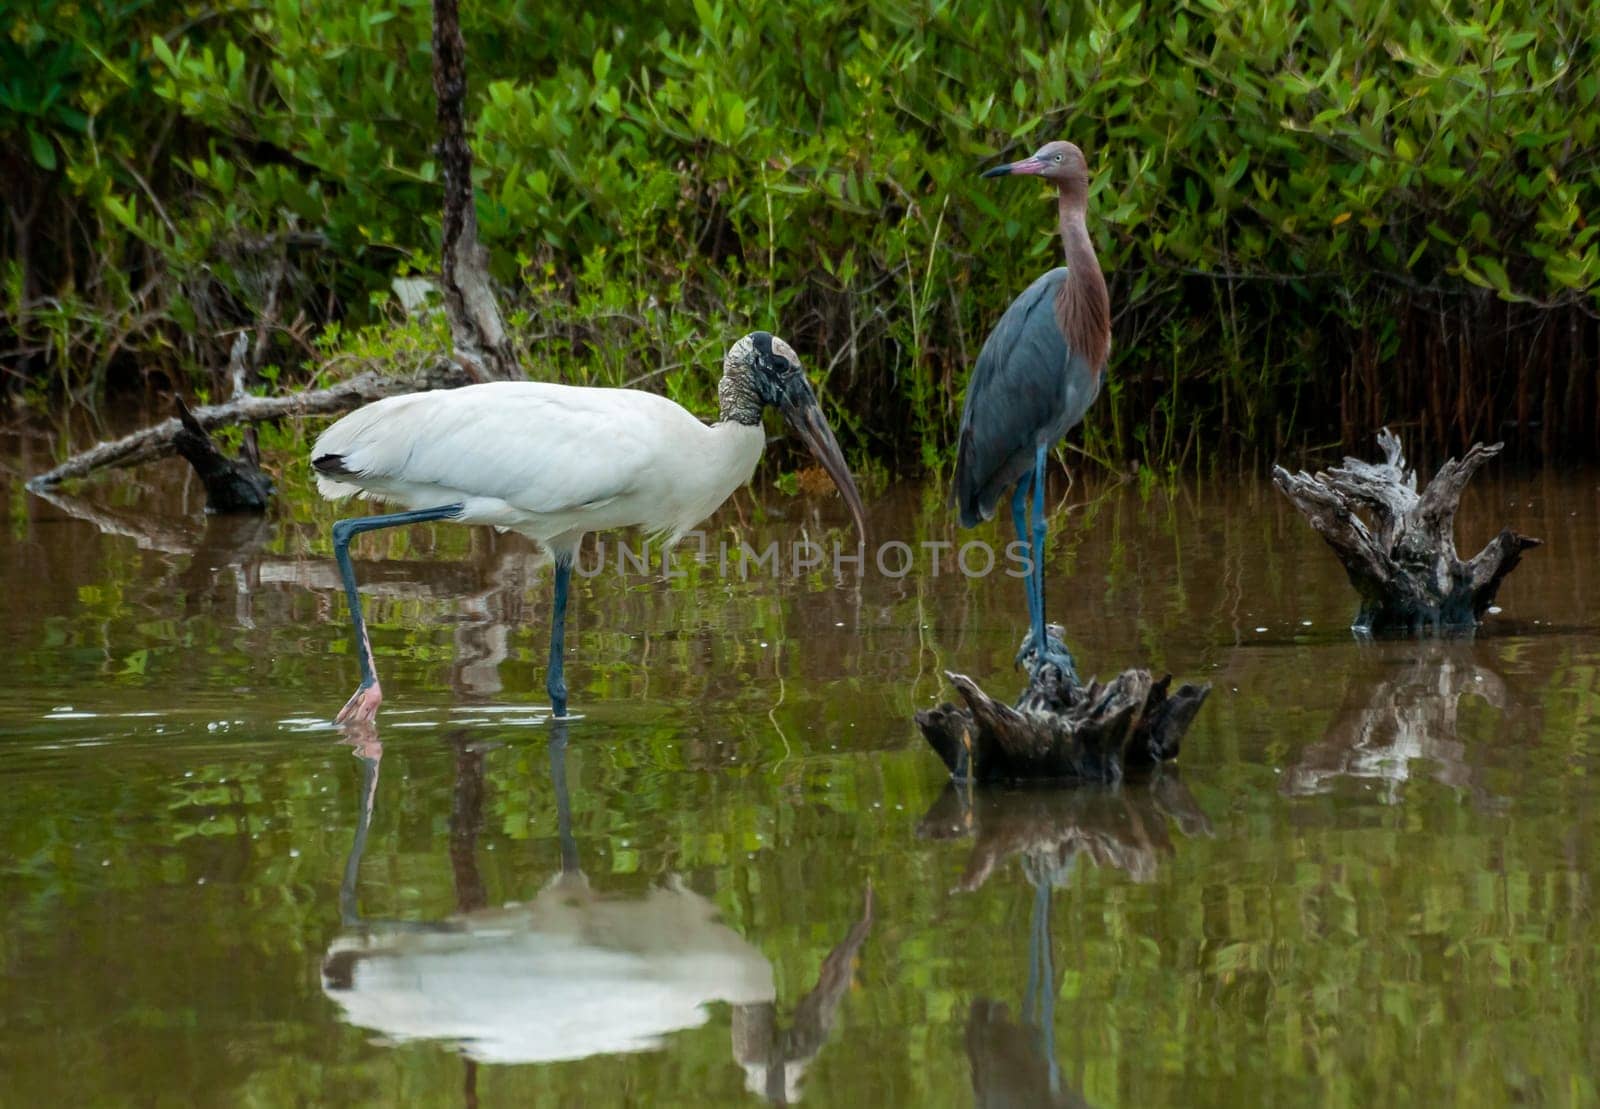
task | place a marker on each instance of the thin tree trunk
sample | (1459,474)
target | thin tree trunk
(482,350)
(481,343)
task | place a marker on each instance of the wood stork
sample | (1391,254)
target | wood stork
(554,462)
(1037,374)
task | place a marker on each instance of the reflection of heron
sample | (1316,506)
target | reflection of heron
(1383,727)
(1013,1064)
(572,972)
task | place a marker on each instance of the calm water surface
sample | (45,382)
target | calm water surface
(741,876)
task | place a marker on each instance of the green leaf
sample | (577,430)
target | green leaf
(44,152)
(1494,271)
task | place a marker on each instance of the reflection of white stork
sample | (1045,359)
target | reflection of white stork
(567,975)
(571,973)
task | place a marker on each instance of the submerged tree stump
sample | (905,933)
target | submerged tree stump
(1404,564)
(1061,729)
(232,484)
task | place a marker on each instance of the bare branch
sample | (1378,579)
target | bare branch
(155,442)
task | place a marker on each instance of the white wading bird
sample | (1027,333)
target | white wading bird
(556,461)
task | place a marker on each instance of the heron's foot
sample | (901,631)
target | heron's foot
(362,707)
(1052,652)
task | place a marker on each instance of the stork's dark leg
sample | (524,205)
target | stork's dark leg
(363,704)
(556,679)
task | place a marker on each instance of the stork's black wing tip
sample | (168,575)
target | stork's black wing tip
(331,465)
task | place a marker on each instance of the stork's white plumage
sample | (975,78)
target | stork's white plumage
(554,462)
(550,461)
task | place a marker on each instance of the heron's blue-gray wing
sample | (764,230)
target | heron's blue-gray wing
(1028,387)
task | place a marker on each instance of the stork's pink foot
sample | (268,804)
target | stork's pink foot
(362,707)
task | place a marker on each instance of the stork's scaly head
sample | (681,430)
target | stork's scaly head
(1061,162)
(762,371)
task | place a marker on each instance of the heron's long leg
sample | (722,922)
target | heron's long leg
(1039,535)
(364,705)
(1019,520)
(556,680)
(1030,998)
(1047,995)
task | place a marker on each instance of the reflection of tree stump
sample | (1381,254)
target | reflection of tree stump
(1060,729)
(1013,1059)
(1410,715)
(1125,828)
(1404,565)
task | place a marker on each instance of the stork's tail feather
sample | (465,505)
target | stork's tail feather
(332,465)
(331,469)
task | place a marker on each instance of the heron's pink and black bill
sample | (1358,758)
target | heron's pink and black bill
(1031,164)
(799,407)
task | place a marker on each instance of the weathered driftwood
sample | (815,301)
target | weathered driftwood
(159,440)
(1061,729)
(1404,564)
(481,343)
(231,484)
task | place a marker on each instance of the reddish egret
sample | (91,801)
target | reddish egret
(556,461)
(1037,374)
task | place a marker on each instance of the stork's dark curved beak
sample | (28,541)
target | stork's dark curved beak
(1027,165)
(799,407)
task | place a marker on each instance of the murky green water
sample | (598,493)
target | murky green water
(1372,880)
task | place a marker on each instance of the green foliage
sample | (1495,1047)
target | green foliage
(1312,221)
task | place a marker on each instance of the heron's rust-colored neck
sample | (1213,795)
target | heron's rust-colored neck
(1083,307)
